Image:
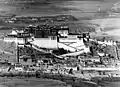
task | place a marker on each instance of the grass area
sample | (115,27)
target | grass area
(7,51)
(29,82)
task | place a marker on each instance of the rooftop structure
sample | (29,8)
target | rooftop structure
(43,31)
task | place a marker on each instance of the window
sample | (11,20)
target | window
(53,38)
(25,59)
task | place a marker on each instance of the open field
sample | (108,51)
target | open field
(29,82)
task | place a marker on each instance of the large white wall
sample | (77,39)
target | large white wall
(45,43)
(72,45)
(13,39)
(40,42)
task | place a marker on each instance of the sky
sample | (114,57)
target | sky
(78,8)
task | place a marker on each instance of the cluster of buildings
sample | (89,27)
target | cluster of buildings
(49,37)
(46,39)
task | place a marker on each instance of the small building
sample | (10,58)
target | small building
(93,59)
(63,31)
(18,67)
(18,37)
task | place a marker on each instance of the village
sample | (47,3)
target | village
(52,52)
